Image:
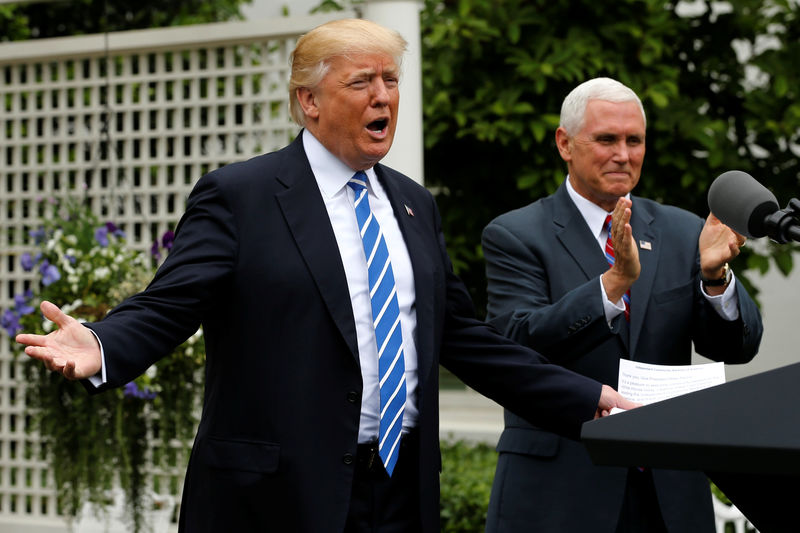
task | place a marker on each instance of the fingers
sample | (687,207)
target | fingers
(30,339)
(68,370)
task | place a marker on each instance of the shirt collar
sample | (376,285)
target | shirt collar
(593,214)
(330,172)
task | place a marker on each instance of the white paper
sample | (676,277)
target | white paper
(645,383)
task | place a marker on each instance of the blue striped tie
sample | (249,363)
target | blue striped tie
(386,320)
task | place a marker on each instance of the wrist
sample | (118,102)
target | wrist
(720,278)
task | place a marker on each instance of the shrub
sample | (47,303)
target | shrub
(466,482)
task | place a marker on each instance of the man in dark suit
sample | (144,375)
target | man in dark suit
(270,258)
(551,288)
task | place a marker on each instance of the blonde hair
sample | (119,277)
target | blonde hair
(311,57)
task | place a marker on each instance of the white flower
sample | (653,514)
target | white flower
(68,308)
(102,273)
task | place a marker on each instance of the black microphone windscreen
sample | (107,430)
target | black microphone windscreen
(741,203)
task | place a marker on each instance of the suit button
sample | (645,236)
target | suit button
(347,459)
(746,329)
(352,396)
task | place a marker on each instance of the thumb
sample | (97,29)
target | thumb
(53,313)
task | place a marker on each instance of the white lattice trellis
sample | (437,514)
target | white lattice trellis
(128,121)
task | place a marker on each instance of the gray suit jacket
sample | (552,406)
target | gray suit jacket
(543,265)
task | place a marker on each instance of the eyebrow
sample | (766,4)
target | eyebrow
(370,72)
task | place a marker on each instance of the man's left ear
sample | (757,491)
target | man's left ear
(308,102)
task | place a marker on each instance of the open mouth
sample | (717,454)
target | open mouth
(378,126)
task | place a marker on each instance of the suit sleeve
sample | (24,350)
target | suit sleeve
(149,325)
(728,341)
(520,303)
(516,377)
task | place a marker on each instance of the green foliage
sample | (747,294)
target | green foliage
(55,19)
(466,483)
(95,441)
(495,73)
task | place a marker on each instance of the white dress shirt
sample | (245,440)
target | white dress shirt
(332,176)
(595,216)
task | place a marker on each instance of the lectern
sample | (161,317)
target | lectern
(745,435)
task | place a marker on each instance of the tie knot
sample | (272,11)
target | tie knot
(358,182)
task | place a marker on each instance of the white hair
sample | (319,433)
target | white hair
(573,109)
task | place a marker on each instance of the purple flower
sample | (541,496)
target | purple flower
(114,230)
(27,262)
(38,235)
(22,304)
(101,236)
(168,239)
(50,273)
(9,321)
(131,390)
(154,251)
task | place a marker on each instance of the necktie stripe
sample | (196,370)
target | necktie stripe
(395,359)
(386,322)
(390,360)
(390,337)
(379,281)
(392,396)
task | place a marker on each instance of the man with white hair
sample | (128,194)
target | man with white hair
(592,274)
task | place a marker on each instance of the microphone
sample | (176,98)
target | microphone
(749,208)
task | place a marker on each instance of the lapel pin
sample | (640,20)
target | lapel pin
(645,245)
(408,210)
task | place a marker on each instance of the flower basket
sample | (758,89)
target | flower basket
(97,443)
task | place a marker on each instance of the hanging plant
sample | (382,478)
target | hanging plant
(94,442)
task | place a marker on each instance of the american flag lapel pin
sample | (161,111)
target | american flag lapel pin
(409,210)
(645,245)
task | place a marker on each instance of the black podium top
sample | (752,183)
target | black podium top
(750,425)
(745,435)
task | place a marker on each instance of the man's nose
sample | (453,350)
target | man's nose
(621,152)
(380,94)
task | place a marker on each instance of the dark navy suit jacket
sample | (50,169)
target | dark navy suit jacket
(255,261)
(543,265)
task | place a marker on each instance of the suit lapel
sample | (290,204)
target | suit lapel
(581,244)
(308,221)
(421,263)
(576,237)
(646,236)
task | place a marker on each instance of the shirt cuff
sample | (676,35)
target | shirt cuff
(612,310)
(100,378)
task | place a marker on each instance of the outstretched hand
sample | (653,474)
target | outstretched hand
(609,399)
(72,350)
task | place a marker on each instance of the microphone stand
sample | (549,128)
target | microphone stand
(784,224)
